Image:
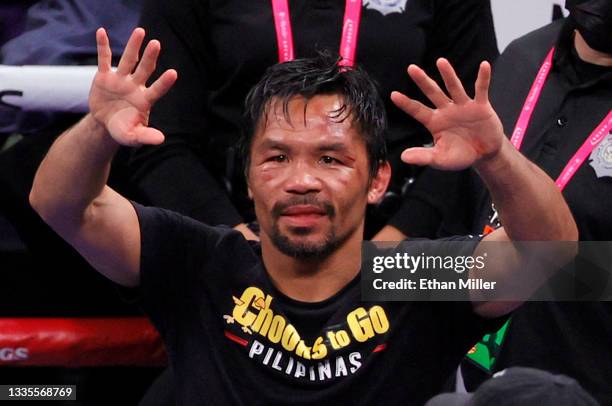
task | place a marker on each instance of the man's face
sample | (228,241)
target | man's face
(309,178)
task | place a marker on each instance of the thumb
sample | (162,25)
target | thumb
(418,156)
(148,136)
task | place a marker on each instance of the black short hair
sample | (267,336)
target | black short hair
(310,77)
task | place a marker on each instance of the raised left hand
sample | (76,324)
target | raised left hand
(120,100)
(465,130)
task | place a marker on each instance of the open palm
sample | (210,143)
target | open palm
(120,99)
(464,130)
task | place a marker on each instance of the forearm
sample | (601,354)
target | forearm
(530,205)
(73,174)
(531,208)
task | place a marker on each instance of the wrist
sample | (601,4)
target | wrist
(497,161)
(98,131)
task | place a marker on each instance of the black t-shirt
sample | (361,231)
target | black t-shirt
(232,338)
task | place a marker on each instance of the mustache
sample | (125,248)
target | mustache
(310,200)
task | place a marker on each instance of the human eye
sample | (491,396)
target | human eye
(278,158)
(329,160)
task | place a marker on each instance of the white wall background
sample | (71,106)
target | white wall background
(514,18)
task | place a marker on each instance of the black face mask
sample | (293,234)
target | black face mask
(593,18)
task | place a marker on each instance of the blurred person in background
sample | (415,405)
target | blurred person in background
(571,122)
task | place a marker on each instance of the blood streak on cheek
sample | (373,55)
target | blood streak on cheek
(268,174)
(344,176)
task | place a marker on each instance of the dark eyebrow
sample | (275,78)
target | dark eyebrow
(339,148)
(272,144)
(336,147)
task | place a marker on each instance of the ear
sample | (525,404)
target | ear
(379,184)
(249,191)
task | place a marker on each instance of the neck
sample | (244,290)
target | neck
(313,280)
(588,54)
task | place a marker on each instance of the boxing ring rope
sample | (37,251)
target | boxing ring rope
(80,342)
(46,88)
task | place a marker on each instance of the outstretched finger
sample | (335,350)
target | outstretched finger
(416,109)
(148,63)
(452,82)
(105,54)
(482,83)
(418,156)
(428,86)
(130,54)
(161,86)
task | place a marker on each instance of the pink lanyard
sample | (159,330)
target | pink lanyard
(350,31)
(525,118)
(584,151)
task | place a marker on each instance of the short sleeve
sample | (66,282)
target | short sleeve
(462,316)
(464,326)
(174,249)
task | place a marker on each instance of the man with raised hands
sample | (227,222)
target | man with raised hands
(281,321)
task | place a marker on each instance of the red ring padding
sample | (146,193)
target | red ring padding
(80,342)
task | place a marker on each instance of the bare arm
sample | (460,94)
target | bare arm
(389,233)
(70,191)
(467,132)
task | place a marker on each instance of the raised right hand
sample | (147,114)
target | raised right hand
(465,131)
(119,100)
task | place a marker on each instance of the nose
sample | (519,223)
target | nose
(302,179)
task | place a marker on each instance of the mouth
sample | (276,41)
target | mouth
(303,215)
